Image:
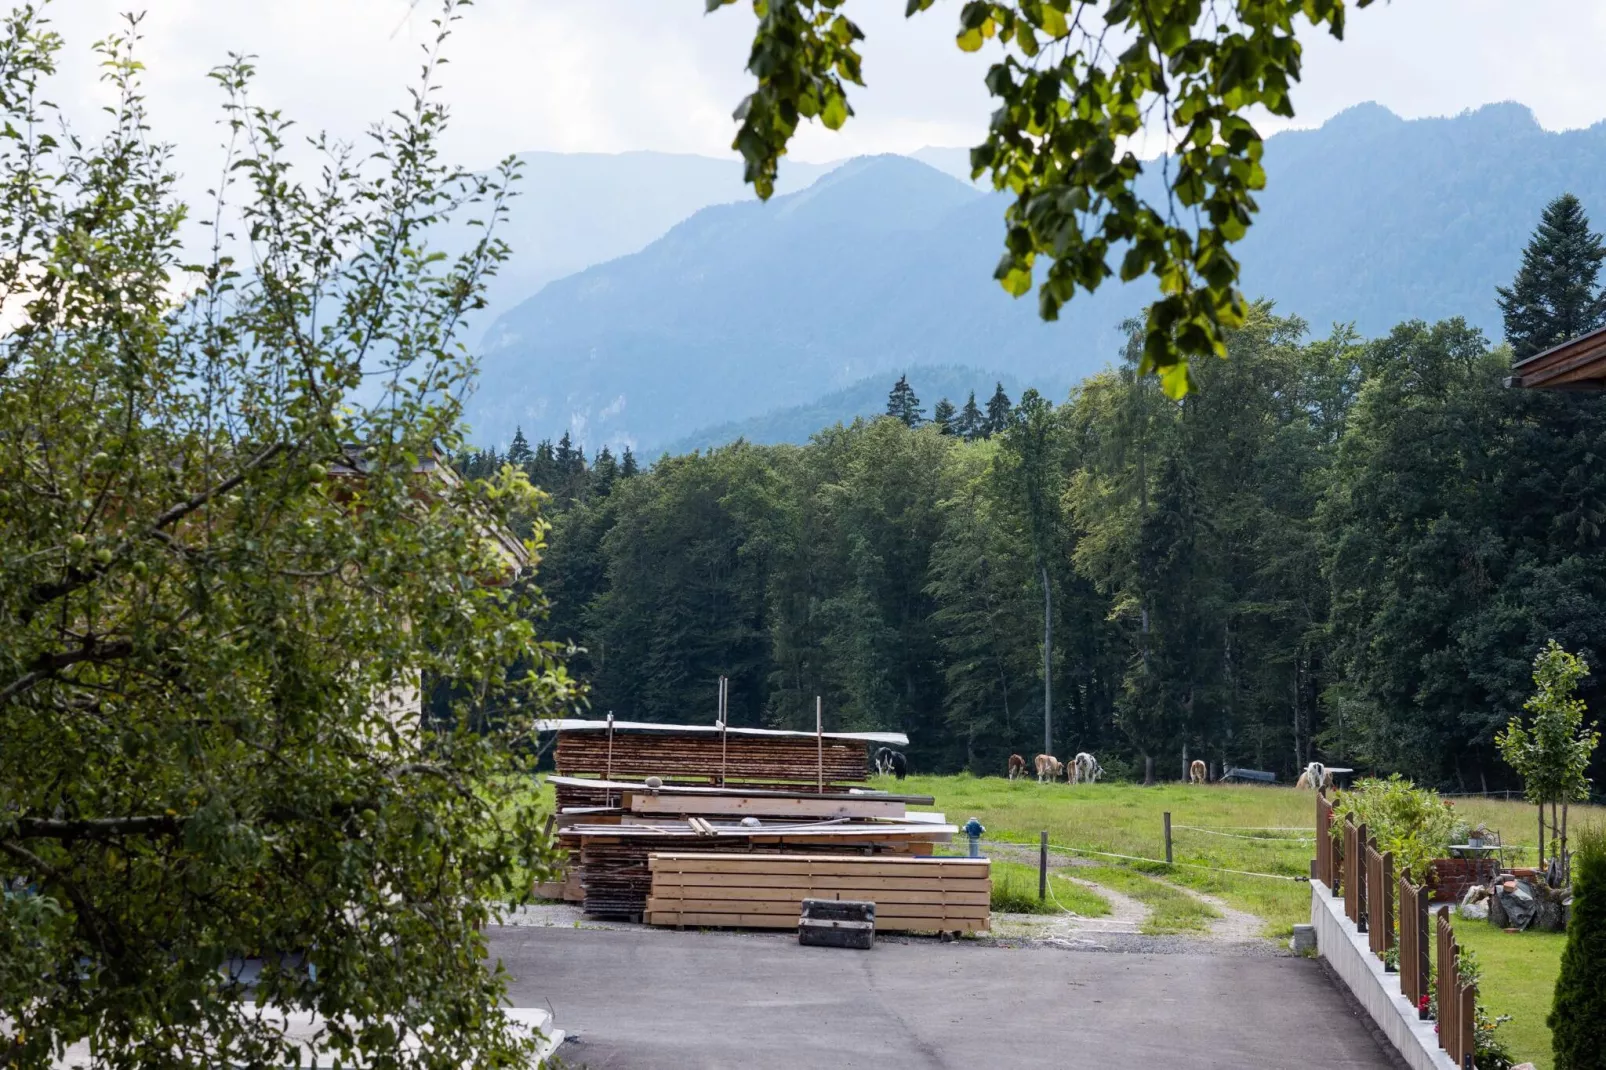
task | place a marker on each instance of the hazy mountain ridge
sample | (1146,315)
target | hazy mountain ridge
(746,309)
(867,397)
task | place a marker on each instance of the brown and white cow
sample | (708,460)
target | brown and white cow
(1048,768)
(1017,766)
(1197,773)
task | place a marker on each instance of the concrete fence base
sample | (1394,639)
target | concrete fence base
(1362,972)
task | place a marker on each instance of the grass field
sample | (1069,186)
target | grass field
(1519,979)
(1216,829)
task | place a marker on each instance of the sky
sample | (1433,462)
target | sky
(617,75)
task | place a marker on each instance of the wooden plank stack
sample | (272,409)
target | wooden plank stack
(766,891)
(708,756)
(611,845)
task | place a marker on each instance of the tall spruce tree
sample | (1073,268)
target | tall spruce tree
(519,453)
(627,464)
(1554,296)
(943,416)
(903,405)
(999,412)
(971,422)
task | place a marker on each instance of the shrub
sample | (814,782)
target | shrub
(1578,1016)
(1412,822)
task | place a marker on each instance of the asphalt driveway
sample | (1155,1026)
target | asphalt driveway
(659,1000)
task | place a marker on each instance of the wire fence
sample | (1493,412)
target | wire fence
(1243,836)
(1151,861)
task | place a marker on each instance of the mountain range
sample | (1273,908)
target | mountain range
(748,318)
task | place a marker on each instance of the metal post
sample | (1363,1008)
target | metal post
(819,739)
(1042,865)
(1168,837)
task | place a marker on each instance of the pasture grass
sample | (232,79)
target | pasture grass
(1015,892)
(1256,829)
(1519,979)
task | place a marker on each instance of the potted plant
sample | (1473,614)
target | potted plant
(1478,835)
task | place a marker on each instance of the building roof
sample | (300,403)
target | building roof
(1577,364)
(573,724)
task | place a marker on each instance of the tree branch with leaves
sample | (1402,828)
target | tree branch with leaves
(1076,83)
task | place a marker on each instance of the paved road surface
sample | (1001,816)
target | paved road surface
(645,1000)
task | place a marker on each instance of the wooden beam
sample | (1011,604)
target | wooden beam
(761,806)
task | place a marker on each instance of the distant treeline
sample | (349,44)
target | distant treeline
(1331,549)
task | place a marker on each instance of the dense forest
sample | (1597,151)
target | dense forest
(1332,548)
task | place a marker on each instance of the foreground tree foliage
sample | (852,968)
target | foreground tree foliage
(226,555)
(1075,81)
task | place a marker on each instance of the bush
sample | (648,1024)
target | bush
(1578,1017)
(1412,822)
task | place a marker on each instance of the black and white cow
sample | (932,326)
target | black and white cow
(889,761)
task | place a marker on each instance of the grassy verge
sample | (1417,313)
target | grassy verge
(1170,911)
(1015,892)
(1519,979)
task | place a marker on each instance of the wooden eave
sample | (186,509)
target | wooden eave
(1576,364)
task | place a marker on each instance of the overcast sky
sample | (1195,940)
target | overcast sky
(613,75)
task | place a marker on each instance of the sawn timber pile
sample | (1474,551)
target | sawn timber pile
(611,845)
(705,759)
(766,891)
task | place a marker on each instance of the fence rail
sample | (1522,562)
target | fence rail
(1326,860)
(1457,1001)
(1354,874)
(1414,943)
(1377,902)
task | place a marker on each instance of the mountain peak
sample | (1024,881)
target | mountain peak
(1367,116)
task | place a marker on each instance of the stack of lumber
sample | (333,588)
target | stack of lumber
(708,755)
(611,845)
(766,891)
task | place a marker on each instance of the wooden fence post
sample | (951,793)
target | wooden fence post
(1168,837)
(1422,965)
(1042,865)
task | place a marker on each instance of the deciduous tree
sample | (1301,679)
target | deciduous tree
(216,606)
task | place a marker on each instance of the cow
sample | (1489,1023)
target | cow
(1048,767)
(1315,777)
(1085,767)
(889,761)
(1197,773)
(1017,766)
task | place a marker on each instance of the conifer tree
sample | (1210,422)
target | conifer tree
(1580,1000)
(999,412)
(519,453)
(903,405)
(943,416)
(971,422)
(627,464)
(1554,296)
(604,472)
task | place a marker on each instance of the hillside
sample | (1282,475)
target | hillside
(867,397)
(885,263)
